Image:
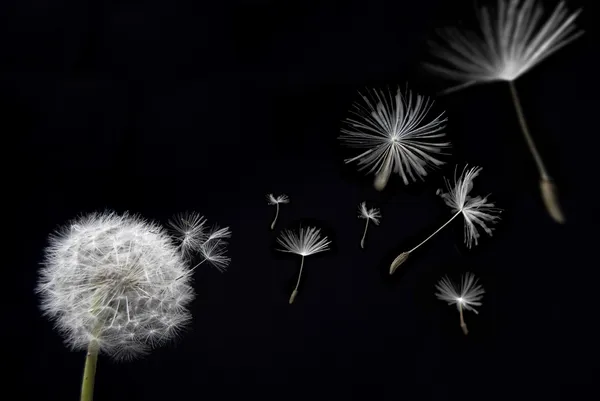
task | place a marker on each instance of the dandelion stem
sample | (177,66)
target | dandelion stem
(89,373)
(404,255)
(463,325)
(362,241)
(295,292)
(436,231)
(547,186)
(538,159)
(276,214)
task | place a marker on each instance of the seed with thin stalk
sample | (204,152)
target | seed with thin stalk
(196,238)
(397,135)
(272,200)
(120,285)
(476,211)
(466,296)
(305,242)
(509,43)
(369,215)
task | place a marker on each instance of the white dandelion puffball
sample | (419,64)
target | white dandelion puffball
(475,210)
(397,134)
(466,295)
(117,283)
(510,42)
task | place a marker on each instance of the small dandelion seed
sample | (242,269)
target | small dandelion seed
(107,262)
(466,296)
(195,237)
(305,242)
(476,211)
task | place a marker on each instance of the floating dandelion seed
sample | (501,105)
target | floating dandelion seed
(190,230)
(196,238)
(369,215)
(510,43)
(465,296)
(118,285)
(276,201)
(306,242)
(398,134)
(476,211)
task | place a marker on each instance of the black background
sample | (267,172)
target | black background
(159,107)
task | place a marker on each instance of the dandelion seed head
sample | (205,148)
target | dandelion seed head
(273,200)
(109,280)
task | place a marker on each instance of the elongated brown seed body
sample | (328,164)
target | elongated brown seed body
(550,197)
(398,261)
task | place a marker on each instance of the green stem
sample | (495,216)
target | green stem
(89,373)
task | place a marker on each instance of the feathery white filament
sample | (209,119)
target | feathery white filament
(196,238)
(372,214)
(397,133)
(369,215)
(117,282)
(475,210)
(466,296)
(190,230)
(510,42)
(272,200)
(305,242)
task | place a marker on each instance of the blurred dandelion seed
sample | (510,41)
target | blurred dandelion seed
(466,296)
(398,134)
(272,200)
(509,44)
(369,215)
